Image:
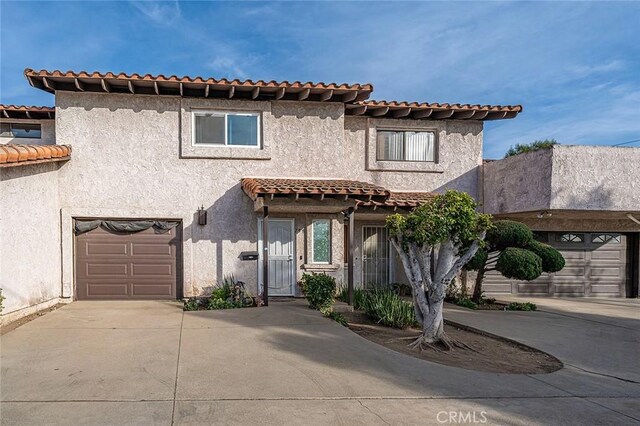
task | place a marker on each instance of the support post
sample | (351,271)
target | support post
(265,255)
(350,240)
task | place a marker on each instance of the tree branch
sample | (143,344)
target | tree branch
(457,266)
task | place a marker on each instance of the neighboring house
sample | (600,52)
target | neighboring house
(583,200)
(194,164)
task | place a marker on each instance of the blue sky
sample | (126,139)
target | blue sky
(575,67)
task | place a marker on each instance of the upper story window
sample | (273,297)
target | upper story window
(20,130)
(218,128)
(396,145)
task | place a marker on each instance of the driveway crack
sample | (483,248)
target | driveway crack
(374,413)
(175,389)
(603,374)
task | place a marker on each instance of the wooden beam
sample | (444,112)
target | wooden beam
(156,88)
(206,90)
(350,97)
(79,85)
(265,255)
(399,113)
(463,115)
(105,86)
(279,93)
(31,82)
(304,94)
(359,110)
(131,88)
(326,95)
(255,92)
(48,84)
(379,111)
(423,113)
(351,236)
(49,115)
(28,114)
(5,113)
(181,89)
(232,91)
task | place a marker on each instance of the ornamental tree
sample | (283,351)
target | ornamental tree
(510,249)
(434,242)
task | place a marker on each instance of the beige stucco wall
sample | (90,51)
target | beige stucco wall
(48,132)
(596,178)
(30,267)
(132,157)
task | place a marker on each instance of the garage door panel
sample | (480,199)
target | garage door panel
(612,255)
(573,255)
(530,288)
(614,272)
(142,265)
(571,271)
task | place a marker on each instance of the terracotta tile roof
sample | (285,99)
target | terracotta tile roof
(81,81)
(20,155)
(261,187)
(432,111)
(401,199)
(27,112)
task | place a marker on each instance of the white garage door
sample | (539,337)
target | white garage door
(596,265)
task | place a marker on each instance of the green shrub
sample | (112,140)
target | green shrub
(1,300)
(552,260)
(519,264)
(508,233)
(337,317)
(215,303)
(466,303)
(191,304)
(387,308)
(517,306)
(319,289)
(530,147)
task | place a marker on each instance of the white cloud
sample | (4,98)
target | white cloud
(159,12)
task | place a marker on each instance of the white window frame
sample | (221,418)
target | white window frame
(225,113)
(313,260)
(404,131)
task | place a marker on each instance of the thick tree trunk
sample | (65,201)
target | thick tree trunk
(433,325)
(477,289)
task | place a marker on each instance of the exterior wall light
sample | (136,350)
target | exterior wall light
(202,216)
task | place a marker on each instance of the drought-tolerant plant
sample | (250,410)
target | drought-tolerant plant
(358,296)
(447,227)
(213,304)
(337,317)
(1,300)
(320,290)
(466,303)
(517,306)
(510,249)
(191,304)
(387,308)
(530,147)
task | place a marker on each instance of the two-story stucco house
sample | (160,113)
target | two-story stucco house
(262,180)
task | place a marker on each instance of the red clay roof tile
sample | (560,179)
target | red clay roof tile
(432,111)
(260,187)
(27,112)
(20,155)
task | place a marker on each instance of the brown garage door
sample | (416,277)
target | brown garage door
(596,265)
(139,266)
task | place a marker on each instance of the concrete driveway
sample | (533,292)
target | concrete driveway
(150,363)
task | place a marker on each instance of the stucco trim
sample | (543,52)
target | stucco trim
(68,240)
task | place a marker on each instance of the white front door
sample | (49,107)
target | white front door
(281,257)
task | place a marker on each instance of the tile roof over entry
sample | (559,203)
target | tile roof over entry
(401,199)
(20,155)
(27,112)
(335,188)
(205,87)
(432,111)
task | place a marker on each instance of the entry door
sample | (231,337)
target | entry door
(281,257)
(375,256)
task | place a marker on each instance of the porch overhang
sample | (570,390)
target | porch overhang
(310,195)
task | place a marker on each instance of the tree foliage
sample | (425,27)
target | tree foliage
(530,147)
(510,249)
(519,264)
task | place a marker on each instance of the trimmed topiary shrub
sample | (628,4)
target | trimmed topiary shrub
(320,290)
(519,263)
(552,260)
(508,233)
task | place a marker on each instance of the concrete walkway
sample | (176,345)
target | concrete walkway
(150,363)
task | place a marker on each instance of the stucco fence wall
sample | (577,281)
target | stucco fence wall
(29,238)
(132,158)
